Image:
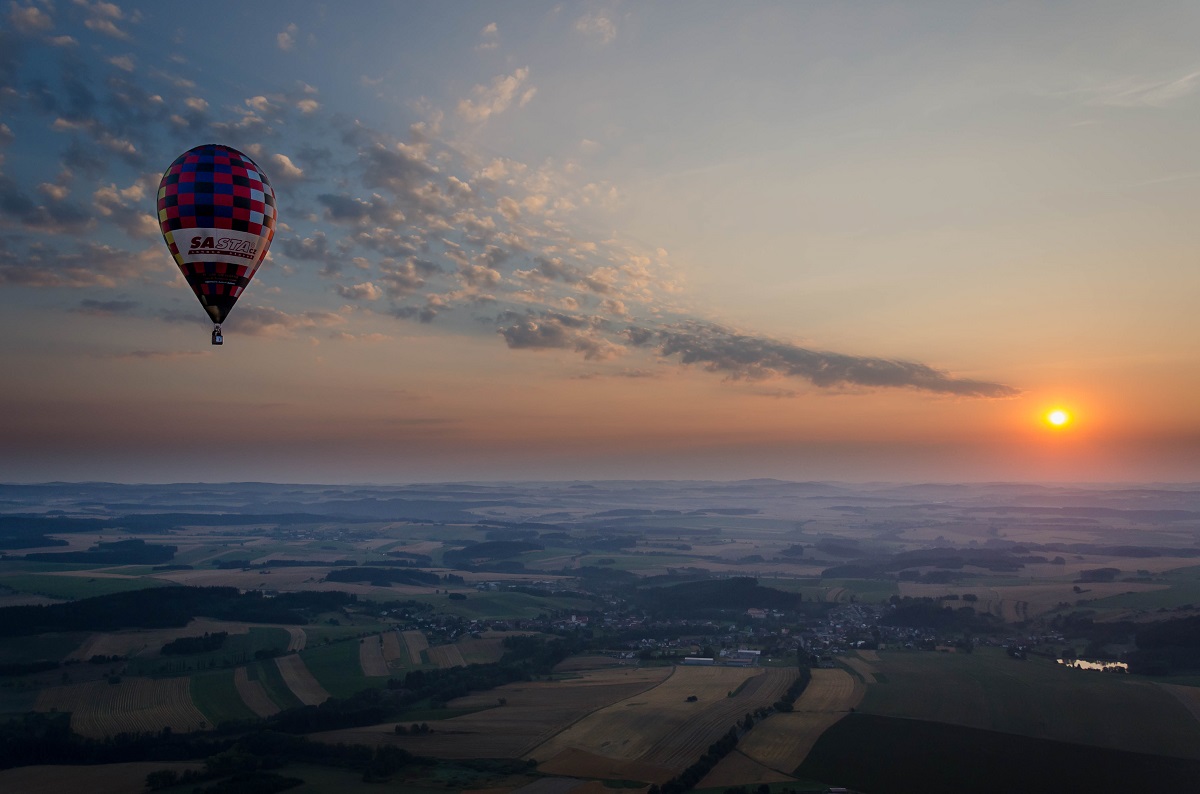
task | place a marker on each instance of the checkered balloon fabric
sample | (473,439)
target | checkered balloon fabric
(216,209)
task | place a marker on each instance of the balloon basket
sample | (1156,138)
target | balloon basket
(217,338)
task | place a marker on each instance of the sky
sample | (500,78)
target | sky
(612,240)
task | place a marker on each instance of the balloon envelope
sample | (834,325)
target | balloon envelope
(216,210)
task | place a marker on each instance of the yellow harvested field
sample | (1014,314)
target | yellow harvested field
(662,727)
(782,741)
(95,779)
(393,649)
(738,769)
(415,642)
(298,678)
(534,711)
(100,709)
(254,695)
(870,656)
(860,666)
(446,656)
(370,656)
(298,639)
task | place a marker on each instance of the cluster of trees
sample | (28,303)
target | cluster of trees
(713,596)
(173,607)
(930,614)
(688,778)
(185,645)
(118,552)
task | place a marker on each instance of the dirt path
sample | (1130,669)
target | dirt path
(254,695)
(298,678)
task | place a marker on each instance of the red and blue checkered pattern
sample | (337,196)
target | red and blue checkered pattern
(207,190)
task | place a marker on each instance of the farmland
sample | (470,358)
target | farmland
(100,708)
(300,681)
(630,578)
(662,726)
(1038,698)
(219,697)
(782,741)
(533,712)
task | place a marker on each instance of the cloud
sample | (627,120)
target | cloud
(490,37)
(1131,92)
(741,356)
(286,38)
(92,265)
(163,355)
(125,63)
(103,21)
(597,27)
(267,321)
(365,291)
(487,101)
(286,170)
(549,331)
(29,19)
(107,308)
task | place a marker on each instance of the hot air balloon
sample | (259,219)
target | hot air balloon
(216,210)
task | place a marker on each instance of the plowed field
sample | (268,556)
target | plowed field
(371,658)
(100,709)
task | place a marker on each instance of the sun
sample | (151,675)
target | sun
(1058,417)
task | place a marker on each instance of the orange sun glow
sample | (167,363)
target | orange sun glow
(1058,417)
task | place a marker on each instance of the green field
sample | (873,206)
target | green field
(216,696)
(50,647)
(267,673)
(501,605)
(337,667)
(1037,697)
(888,755)
(238,649)
(1183,589)
(75,587)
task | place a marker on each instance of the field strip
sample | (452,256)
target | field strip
(671,724)
(783,741)
(298,638)
(135,705)
(445,656)
(1189,696)
(392,648)
(739,769)
(254,695)
(870,656)
(415,642)
(298,678)
(683,746)
(834,595)
(534,712)
(860,666)
(370,656)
